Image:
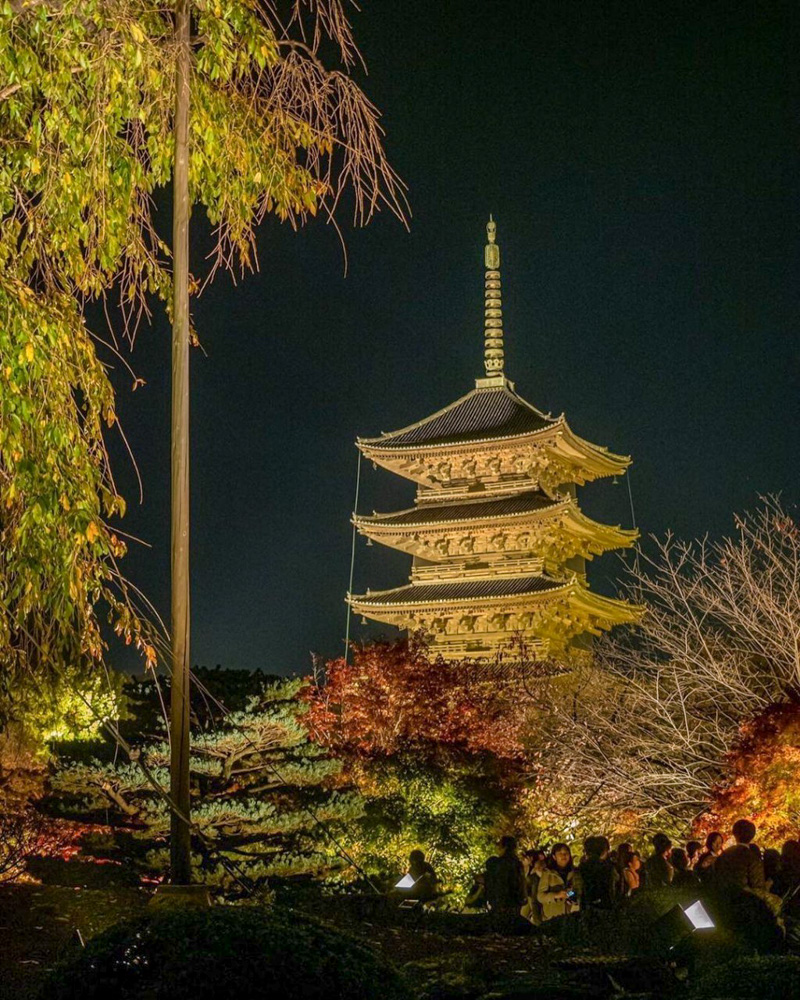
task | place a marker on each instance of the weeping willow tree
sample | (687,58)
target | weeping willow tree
(104,102)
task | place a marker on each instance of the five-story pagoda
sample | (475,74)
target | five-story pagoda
(498,540)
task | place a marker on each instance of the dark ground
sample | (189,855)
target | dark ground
(39,925)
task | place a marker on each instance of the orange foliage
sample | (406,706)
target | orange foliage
(764,781)
(391,696)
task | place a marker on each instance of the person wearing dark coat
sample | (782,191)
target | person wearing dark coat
(425,880)
(505,884)
(597,876)
(740,866)
(704,866)
(787,879)
(684,877)
(658,871)
(772,868)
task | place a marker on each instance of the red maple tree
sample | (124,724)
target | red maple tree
(764,778)
(392,695)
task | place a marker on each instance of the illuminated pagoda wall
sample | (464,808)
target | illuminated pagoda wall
(498,540)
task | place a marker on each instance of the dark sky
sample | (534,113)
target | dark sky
(641,162)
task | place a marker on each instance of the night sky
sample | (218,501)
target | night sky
(641,163)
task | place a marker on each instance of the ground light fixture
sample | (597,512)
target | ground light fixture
(680,922)
(407,882)
(699,917)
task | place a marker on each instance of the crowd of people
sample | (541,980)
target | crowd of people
(542,884)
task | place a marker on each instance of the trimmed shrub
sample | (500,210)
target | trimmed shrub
(225,952)
(744,924)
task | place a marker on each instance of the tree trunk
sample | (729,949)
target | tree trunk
(180,843)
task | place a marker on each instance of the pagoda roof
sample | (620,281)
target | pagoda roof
(481,509)
(483,414)
(448,591)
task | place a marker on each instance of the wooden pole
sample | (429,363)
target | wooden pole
(180,841)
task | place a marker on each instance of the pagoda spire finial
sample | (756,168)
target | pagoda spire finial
(493,306)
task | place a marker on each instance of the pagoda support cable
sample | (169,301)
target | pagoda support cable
(352,561)
(633,522)
(630,497)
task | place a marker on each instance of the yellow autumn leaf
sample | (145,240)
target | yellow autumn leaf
(36,165)
(92,532)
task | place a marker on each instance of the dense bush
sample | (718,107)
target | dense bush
(625,930)
(434,748)
(773,977)
(744,924)
(451,805)
(222,952)
(69,703)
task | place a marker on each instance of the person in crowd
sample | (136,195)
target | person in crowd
(631,877)
(693,852)
(707,859)
(621,856)
(476,897)
(683,877)
(556,893)
(598,876)
(534,863)
(772,867)
(505,885)
(657,869)
(787,880)
(425,878)
(739,866)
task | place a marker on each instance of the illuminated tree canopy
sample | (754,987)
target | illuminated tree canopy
(85,145)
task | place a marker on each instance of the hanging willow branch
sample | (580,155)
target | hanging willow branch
(86,120)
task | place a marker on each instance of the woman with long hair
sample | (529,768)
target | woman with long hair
(556,894)
(706,861)
(631,879)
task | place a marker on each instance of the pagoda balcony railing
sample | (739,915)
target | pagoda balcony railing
(485,645)
(486,571)
(466,490)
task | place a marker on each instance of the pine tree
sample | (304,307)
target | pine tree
(265,799)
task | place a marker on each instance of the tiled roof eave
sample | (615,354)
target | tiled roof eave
(382,520)
(463,402)
(380,444)
(595,451)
